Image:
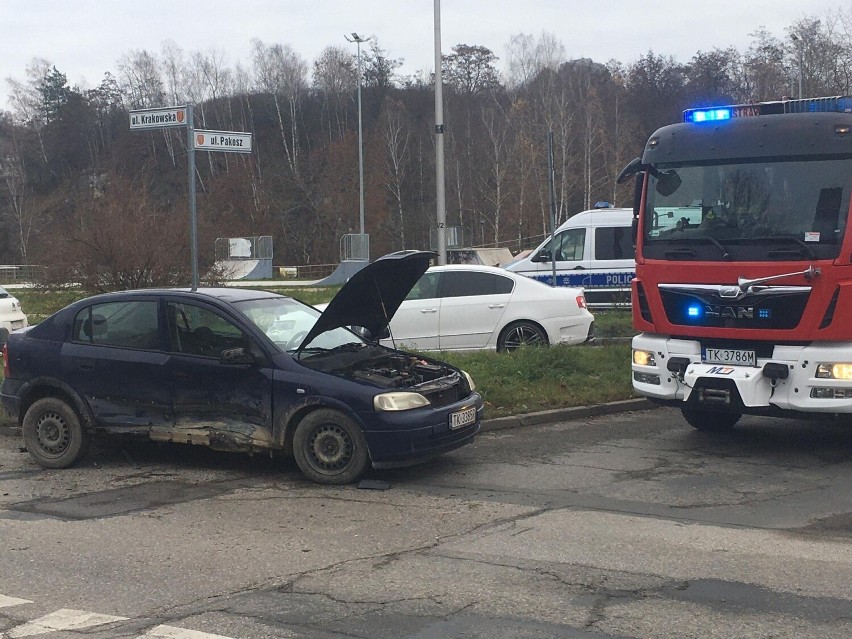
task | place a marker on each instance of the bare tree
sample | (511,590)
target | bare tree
(335,74)
(396,134)
(140,80)
(527,57)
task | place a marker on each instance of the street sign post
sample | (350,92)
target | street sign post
(201,140)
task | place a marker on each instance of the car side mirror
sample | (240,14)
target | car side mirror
(236,357)
(542,256)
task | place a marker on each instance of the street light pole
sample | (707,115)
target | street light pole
(440,194)
(358,40)
(800,44)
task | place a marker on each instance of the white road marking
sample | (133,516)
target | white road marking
(173,632)
(63,619)
(6,602)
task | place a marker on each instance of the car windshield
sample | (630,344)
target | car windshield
(286,322)
(750,211)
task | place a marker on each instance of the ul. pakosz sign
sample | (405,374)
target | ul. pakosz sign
(232,141)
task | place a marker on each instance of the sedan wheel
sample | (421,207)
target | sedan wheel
(521,334)
(330,448)
(53,434)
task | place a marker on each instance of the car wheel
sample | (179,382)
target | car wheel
(330,448)
(520,334)
(710,421)
(53,434)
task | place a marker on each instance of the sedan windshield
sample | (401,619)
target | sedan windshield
(790,210)
(286,322)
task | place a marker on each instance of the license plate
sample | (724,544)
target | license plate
(463,417)
(730,356)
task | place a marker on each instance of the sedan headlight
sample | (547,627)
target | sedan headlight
(834,371)
(469,379)
(399,400)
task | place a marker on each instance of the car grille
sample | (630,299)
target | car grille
(444,397)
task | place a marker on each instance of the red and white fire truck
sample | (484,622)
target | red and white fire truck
(743,288)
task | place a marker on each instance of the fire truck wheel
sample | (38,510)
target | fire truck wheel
(710,421)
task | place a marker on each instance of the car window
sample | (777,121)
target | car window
(130,324)
(568,245)
(426,287)
(195,330)
(613,243)
(467,283)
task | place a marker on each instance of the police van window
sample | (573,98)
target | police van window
(613,243)
(568,245)
(123,324)
(467,283)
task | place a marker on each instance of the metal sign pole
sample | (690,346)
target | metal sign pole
(193,224)
(552,192)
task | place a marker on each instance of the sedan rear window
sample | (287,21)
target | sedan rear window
(125,324)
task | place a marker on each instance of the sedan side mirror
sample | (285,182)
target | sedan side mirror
(236,357)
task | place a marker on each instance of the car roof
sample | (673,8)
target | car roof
(598,217)
(226,294)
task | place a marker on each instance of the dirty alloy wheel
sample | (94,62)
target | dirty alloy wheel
(520,334)
(330,448)
(53,434)
(710,421)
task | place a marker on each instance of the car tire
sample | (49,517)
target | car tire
(710,421)
(330,448)
(519,334)
(53,433)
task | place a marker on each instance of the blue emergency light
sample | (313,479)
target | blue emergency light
(709,115)
(693,311)
(836,104)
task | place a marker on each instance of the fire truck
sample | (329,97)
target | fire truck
(743,287)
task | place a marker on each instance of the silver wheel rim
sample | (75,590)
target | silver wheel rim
(523,335)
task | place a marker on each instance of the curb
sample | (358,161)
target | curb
(565,414)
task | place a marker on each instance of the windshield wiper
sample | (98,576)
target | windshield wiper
(805,250)
(700,238)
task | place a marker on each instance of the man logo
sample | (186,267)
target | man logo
(720,370)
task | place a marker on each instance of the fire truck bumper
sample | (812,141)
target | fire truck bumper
(801,379)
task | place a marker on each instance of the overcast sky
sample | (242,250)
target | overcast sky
(85,38)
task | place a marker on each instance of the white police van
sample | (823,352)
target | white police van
(593,250)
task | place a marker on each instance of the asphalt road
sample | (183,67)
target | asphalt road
(626,525)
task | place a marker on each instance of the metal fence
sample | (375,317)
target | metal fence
(355,246)
(244,248)
(21,273)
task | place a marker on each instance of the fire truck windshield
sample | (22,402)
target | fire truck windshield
(768,210)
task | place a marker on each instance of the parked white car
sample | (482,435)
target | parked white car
(470,307)
(11,316)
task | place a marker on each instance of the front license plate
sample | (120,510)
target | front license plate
(463,418)
(729,356)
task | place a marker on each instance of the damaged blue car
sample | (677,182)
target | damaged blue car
(241,370)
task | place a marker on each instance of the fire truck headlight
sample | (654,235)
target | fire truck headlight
(644,358)
(834,371)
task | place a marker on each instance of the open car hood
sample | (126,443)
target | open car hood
(372,296)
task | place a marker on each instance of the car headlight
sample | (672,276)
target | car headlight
(469,379)
(834,371)
(644,358)
(399,400)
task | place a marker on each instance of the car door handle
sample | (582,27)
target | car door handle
(86,365)
(579,268)
(181,375)
(496,306)
(428,310)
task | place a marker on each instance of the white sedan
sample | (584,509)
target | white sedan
(11,316)
(469,307)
